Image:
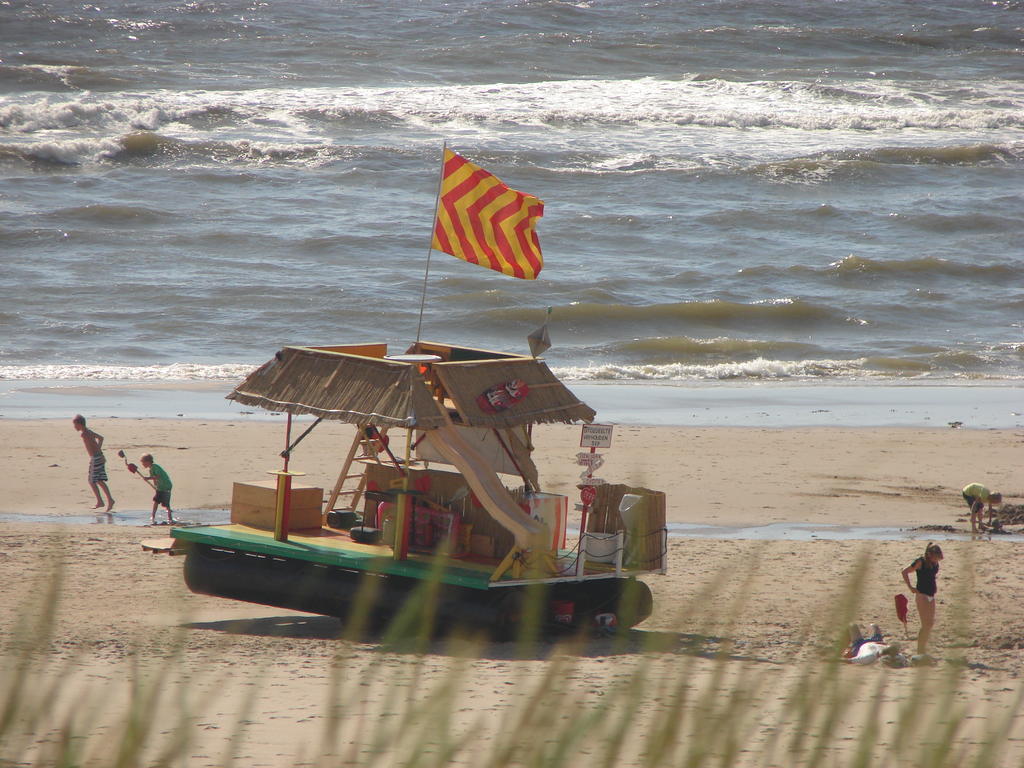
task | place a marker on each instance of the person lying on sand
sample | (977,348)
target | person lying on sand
(871,652)
(868,650)
(857,639)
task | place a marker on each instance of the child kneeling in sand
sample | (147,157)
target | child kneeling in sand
(161,483)
(977,496)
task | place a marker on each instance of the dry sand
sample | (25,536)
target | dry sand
(768,605)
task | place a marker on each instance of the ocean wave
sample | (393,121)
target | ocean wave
(913,270)
(55,77)
(830,164)
(151,147)
(942,364)
(785,312)
(897,366)
(569,103)
(710,103)
(591,126)
(110,215)
(353,116)
(957,154)
(758,368)
(678,348)
(36,77)
(109,111)
(61,152)
(150,373)
(917,268)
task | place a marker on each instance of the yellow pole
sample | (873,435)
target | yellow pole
(404,506)
(282,510)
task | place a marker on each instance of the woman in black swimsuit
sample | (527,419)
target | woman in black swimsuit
(927,569)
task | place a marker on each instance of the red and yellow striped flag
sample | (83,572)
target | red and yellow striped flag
(482,221)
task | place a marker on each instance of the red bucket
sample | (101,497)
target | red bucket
(563,611)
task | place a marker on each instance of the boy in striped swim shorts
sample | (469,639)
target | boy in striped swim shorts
(97,462)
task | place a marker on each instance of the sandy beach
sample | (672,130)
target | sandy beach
(262,684)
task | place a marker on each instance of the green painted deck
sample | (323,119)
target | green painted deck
(329,547)
(326,546)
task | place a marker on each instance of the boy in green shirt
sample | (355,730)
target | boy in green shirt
(161,482)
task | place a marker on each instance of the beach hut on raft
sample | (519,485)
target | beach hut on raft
(434,498)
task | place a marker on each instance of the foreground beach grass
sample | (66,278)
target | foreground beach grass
(404,696)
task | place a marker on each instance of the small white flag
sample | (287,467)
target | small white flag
(539,339)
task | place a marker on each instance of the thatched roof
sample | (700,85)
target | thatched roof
(547,399)
(333,385)
(359,385)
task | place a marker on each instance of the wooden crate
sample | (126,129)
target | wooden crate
(255,504)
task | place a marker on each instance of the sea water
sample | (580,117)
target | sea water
(791,192)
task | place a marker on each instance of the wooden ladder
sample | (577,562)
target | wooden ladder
(356,493)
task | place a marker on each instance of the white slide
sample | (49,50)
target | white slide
(485,484)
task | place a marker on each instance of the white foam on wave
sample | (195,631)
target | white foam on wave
(758,368)
(168,372)
(706,103)
(125,112)
(612,126)
(863,105)
(753,370)
(72,151)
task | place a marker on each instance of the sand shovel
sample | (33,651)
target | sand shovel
(133,468)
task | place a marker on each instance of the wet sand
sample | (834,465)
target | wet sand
(979,405)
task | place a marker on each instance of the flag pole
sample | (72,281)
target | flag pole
(433,224)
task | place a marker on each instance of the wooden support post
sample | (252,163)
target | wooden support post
(287,441)
(282,509)
(403,523)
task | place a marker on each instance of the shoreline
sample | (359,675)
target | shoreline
(693,404)
(717,476)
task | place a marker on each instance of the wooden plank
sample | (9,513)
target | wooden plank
(362,350)
(165,545)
